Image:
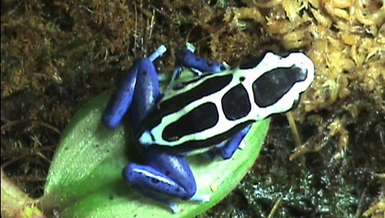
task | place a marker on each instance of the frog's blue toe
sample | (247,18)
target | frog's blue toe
(174,207)
(161,199)
(158,53)
(242,145)
(201,197)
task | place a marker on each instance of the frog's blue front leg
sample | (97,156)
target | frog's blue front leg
(226,149)
(233,143)
(185,58)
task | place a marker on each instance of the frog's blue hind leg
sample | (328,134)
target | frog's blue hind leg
(165,176)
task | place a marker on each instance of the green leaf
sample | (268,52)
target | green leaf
(85,175)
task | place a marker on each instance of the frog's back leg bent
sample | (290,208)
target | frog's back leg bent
(143,70)
(164,176)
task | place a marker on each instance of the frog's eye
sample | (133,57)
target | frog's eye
(271,86)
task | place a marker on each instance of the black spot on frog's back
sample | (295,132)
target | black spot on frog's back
(199,119)
(272,85)
(176,103)
(235,103)
(208,86)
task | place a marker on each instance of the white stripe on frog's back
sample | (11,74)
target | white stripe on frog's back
(268,63)
(167,120)
(188,84)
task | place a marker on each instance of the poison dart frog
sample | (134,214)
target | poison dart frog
(212,111)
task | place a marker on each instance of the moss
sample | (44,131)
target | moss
(57,55)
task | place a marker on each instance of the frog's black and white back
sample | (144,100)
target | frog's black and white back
(216,106)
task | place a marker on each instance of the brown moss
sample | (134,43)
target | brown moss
(56,55)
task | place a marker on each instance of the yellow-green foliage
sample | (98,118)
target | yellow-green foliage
(59,54)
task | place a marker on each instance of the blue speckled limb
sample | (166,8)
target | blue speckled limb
(185,58)
(226,149)
(161,176)
(143,72)
(232,144)
(165,176)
